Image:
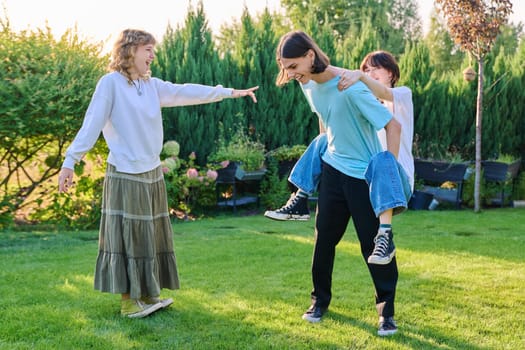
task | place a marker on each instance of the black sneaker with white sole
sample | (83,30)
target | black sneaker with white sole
(384,249)
(295,209)
(314,313)
(387,326)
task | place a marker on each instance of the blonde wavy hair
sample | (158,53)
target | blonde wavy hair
(124,50)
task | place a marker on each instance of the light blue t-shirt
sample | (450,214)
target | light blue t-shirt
(351,118)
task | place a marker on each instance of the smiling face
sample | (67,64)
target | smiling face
(133,53)
(299,68)
(299,58)
(144,55)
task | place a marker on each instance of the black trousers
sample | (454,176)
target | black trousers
(342,197)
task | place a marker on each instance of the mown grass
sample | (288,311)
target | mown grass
(246,282)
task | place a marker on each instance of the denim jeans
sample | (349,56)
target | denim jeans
(388,183)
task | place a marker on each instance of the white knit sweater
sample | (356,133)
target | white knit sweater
(132,124)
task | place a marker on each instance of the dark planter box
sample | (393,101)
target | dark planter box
(234,171)
(244,185)
(242,175)
(501,174)
(227,175)
(434,173)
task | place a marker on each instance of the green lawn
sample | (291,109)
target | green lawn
(245,282)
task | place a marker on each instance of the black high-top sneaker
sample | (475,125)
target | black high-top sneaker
(295,209)
(384,249)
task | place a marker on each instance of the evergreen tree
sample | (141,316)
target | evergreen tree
(187,55)
(394,20)
(445,56)
(322,32)
(415,73)
(501,135)
(281,116)
(354,48)
(518,71)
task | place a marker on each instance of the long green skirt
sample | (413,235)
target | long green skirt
(136,253)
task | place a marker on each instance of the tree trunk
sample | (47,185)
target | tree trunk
(479,116)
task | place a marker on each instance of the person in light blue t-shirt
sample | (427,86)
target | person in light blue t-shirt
(380,72)
(351,119)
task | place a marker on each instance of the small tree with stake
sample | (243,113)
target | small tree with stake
(474,25)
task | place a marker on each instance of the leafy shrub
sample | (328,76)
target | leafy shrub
(190,188)
(79,209)
(287,152)
(488,191)
(45,88)
(241,148)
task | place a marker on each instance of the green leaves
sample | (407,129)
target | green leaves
(45,88)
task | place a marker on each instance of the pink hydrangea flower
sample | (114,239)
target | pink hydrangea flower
(211,174)
(192,173)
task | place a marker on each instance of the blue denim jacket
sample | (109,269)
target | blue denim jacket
(388,183)
(306,173)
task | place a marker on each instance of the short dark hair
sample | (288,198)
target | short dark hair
(382,59)
(297,44)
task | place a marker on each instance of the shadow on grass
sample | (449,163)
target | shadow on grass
(407,335)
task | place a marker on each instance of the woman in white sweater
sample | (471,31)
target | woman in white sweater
(136,257)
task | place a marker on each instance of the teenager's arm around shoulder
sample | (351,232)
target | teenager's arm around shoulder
(379,90)
(350,77)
